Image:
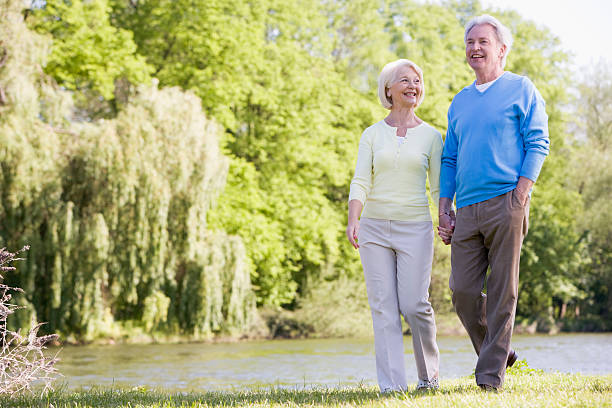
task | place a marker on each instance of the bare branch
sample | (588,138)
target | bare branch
(22,360)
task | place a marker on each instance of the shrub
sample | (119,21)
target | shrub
(22,361)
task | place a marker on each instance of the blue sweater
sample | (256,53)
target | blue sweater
(493,138)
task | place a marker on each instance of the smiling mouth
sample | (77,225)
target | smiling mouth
(477,56)
(410,94)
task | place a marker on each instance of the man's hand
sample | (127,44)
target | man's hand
(523,188)
(446,227)
(446,220)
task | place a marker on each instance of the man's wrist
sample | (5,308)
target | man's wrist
(445,207)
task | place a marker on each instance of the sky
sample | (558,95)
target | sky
(583,26)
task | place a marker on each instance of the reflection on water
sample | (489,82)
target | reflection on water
(304,363)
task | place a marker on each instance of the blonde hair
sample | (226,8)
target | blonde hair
(388,75)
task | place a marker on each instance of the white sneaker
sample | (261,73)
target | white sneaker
(432,384)
(390,390)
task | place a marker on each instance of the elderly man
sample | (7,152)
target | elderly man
(495,146)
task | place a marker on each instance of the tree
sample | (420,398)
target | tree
(291,85)
(88,54)
(291,123)
(114,210)
(431,36)
(592,179)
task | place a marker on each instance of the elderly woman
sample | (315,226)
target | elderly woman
(395,234)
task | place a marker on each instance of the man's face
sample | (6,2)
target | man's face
(482,49)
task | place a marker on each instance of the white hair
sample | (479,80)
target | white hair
(503,34)
(388,76)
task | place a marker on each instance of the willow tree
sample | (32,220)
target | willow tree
(31,149)
(292,121)
(115,210)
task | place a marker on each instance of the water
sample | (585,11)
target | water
(304,363)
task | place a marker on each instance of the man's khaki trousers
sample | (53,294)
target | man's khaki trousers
(488,234)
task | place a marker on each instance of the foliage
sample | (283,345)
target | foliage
(520,367)
(123,226)
(22,361)
(115,209)
(290,136)
(432,36)
(592,179)
(88,54)
(319,309)
(357,31)
(530,391)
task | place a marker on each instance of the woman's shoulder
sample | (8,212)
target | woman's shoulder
(376,127)
(429,130)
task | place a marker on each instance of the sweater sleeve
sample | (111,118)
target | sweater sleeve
(534,131)
(362,180)
(434,168)
(448,170)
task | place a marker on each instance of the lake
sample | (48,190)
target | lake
(303,363)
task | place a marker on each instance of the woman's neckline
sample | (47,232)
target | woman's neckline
(407,129)
(410,128)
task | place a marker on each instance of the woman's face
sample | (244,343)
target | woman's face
(406,88)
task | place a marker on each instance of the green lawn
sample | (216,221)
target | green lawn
(526,388)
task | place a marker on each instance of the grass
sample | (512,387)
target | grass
(524,387)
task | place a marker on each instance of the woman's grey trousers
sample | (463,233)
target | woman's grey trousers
(396,258)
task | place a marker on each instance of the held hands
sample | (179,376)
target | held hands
(447,217)
(446,226)
(352,231)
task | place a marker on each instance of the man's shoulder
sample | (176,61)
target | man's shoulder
(466,90)
(511,76)
(466,93)
(521,81)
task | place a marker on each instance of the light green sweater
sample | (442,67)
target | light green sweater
(390,174)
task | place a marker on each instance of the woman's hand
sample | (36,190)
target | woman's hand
(352,232)
(446,228)
(352,229)
(446,220)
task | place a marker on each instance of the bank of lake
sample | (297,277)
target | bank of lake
(524,387)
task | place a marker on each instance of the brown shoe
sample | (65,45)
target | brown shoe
(511,358)
(488,388)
